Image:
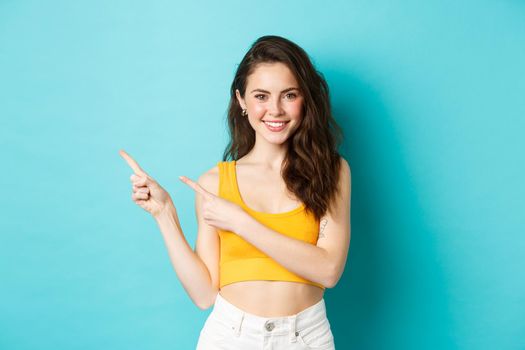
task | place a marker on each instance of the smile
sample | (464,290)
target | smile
(275,127)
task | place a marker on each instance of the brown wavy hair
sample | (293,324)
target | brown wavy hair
(312,162)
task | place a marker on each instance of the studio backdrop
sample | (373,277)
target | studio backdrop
(430,96)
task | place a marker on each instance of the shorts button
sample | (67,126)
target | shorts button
(269,326)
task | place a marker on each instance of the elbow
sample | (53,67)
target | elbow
(206,303)
(332,278)
(203,306)
(330,283)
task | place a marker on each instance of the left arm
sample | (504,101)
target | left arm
(327,258)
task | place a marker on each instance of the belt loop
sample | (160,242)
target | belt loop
(293,332)
(237,326)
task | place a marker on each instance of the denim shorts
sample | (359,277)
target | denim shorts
(228,327)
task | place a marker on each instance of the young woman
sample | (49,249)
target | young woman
(274,221)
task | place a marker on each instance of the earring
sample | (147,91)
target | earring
(244,112)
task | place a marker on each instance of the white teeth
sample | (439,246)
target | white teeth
(275,124)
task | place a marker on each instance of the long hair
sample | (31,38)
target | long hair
(311,166)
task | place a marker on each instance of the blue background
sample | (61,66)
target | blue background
(430,95)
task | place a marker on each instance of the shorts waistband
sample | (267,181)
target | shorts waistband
(238,318)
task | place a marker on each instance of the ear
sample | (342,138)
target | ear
(240,99)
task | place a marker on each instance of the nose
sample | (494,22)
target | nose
(274,107)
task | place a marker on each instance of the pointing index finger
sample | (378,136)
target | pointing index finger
(132,163)
(196,187)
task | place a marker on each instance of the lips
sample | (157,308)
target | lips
(276,128)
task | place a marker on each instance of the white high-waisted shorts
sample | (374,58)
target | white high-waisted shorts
(228,327)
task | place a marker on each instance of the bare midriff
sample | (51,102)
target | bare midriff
(271,298)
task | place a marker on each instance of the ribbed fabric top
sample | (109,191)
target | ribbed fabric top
(242,261)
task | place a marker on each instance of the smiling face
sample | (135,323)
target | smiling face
(272,95)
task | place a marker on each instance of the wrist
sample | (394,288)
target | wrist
(166,212)
(243,224)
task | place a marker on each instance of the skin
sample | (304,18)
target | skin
(262,189)
(277,104)
(261,185)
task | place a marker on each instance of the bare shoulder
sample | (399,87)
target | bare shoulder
(210,180)
(345,173)
(345,164)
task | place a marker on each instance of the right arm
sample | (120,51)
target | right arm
(197,270)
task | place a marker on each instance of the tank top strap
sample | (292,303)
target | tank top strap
(227,187)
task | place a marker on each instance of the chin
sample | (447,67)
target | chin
(277,141)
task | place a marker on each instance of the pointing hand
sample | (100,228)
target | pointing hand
(147,193)
(217,211)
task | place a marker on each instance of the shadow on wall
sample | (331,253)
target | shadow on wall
(385,293)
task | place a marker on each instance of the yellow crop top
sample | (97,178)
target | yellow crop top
(242,261)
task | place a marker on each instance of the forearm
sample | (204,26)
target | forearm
(302,258)
(190,268)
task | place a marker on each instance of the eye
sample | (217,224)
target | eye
(291,94)
(260,95)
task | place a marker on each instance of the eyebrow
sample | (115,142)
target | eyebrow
(285,90)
